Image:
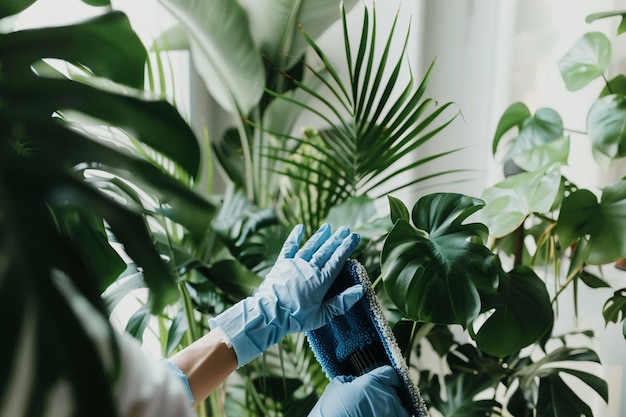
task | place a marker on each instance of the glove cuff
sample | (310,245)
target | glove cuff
(251,326)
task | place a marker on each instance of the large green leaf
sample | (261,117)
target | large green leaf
(582,216)
(121,55)
(523,314)
(275,25)
(587,60)
(223,52)
(433,271)
(555,397)
(509,202)
(554,151)
(606,125)
(155,123)
(462,392)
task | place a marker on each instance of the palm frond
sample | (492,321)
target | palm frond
(373,123)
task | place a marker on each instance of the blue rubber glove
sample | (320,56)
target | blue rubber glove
(291,297)
(369,395)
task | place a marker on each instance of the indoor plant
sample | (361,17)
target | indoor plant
(543,226)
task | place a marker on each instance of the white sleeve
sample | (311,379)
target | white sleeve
(146,386)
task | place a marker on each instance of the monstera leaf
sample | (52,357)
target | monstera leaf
(433,270)
(587,60)
(512,200)
(553,395)
(582,216)
(522,314)
(605,124)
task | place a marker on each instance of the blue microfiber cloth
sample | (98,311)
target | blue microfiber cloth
(361,340)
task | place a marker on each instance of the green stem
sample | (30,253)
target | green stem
(377,281)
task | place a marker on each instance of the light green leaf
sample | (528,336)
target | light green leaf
(544,126)
(587,60)
(223,52)
(582,216)
(554,151)
(523,314)
(606,125)
(274,25)
(509,202)
(602,15)
(433,271)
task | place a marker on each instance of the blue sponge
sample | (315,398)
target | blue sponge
(361,340)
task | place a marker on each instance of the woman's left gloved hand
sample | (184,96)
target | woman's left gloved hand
(370,395)
(291,297)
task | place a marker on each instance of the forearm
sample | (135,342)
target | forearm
(206,363)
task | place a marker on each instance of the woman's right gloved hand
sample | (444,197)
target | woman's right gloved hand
(291,298)
(369,395)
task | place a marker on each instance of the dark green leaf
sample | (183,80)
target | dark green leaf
(587,60)
(432,272)
(121,55)
(156,123)
(582,216)
(523,314)
(614,309)
(232,278)
(606,125)
(138,322)
(557,399)
(176,332)
(98,2)
(616,85)
(514,116)
(592,280)
(398,210)
(461,392)
(11,7)
(88,234)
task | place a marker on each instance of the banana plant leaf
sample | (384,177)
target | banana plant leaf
(275,26)
(223,52)
(433,270)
